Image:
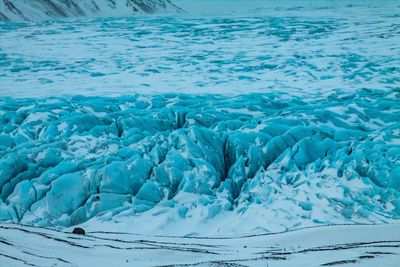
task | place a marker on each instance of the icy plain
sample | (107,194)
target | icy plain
(308,49)
(244,118)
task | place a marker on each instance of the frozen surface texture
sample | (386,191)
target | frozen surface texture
(33,10)
(275,160)
(305,50)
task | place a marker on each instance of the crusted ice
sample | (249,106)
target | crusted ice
(66,160)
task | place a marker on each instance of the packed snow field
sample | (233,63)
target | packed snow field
(245,118)
(339,246)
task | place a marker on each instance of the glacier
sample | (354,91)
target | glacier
(269,117)
(305,51)
(34,10)
(199,133)
(295,163)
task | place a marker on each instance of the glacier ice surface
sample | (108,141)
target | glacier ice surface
(65,160)
(304,50)
(281,117)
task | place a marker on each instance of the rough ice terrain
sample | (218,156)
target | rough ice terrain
(278,158)
(307,49)
(245,120)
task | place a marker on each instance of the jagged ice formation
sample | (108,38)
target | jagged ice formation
(297,162)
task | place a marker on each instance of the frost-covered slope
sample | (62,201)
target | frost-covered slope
(16,10)
(266,161)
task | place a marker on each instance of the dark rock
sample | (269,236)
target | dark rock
(78,231)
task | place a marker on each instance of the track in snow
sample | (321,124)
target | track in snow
(362,245)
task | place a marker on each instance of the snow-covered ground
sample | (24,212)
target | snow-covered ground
(362,245)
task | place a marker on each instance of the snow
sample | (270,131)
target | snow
(304,247)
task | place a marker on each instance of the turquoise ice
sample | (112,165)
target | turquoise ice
(65,160)
(267,118)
